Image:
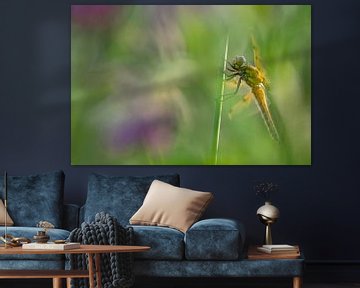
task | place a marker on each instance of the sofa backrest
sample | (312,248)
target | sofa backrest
(35,198)
(119,196)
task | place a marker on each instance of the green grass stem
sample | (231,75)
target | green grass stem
(218,112)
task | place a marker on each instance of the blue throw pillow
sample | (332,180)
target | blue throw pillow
(119,196)
(35,198)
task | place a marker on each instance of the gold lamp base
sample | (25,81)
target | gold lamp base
(268,238)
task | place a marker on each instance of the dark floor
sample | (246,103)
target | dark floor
(241,284)
(339,285)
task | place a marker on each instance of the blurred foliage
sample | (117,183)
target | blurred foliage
(144,80)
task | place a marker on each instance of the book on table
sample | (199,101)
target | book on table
(51,246)
(278,249)
(255,254)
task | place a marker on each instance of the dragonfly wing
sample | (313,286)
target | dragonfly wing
(262,104)
(240,104)
(256,54)
(257,60)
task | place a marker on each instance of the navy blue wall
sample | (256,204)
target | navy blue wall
(318,203)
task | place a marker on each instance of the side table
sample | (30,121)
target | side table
(93,251)
(288,259)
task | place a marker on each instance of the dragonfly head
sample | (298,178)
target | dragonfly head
(239,61)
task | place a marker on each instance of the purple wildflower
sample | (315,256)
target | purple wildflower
(152,134)
(93,16)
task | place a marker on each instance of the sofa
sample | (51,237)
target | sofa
(209,248)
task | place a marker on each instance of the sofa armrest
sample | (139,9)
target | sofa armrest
(215,239)
(71,216)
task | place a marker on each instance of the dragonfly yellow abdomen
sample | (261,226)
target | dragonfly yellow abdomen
(262,104)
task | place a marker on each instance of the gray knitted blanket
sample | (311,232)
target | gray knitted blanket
(116,268)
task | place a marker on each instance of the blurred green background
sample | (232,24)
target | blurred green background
(145,80)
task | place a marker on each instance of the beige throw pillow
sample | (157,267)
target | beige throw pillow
(9,221)
(170,206)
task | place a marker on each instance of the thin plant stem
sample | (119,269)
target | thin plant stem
(218,111)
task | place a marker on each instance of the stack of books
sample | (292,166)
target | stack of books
(51,246)
(279,249)
(273,252)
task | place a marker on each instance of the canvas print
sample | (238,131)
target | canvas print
(191,85)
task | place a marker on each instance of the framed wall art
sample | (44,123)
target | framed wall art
(191,85)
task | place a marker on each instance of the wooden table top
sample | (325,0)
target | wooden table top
(92,249)
(254,254)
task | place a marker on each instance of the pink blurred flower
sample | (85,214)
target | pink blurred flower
(94,16)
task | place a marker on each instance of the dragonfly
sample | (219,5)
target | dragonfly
(254,77)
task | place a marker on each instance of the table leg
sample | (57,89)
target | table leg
(297,282)
(91,270)
(98,270)
(57,283)
(68,282)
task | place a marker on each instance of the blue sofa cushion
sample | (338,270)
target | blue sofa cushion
(119,196)
(165,243)
(29,232)
(35,198)
(214,239)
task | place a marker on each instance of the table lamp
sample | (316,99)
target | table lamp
(8,239)
(5,204)
(268,214)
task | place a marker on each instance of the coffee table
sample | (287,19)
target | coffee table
(94,267)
